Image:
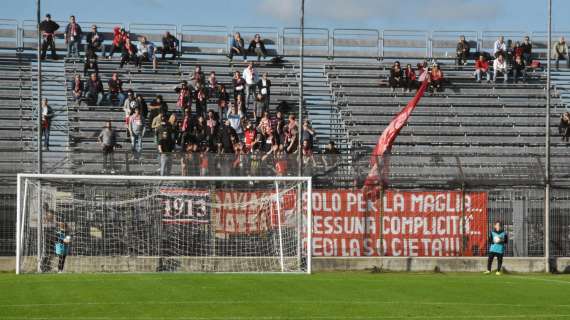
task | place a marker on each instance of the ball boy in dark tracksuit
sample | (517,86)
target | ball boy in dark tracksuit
(498,239)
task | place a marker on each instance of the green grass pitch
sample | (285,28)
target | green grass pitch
(347,296)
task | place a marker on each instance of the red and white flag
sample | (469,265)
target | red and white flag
(386,139)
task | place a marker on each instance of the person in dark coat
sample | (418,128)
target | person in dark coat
(48,28)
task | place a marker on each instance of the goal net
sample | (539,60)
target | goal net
(73,223)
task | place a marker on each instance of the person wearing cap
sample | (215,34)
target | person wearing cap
(94,41)
(48,28)
(72,37)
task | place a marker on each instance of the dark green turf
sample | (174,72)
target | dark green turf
(267,297)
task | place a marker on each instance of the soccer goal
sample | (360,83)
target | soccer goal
(105,223)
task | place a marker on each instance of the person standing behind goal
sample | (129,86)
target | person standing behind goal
(498,239)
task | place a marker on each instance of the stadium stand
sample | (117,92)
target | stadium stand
(346,98)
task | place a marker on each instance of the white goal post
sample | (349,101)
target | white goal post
(113,223)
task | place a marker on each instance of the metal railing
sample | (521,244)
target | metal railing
(319,42)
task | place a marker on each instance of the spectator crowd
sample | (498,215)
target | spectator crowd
(209,120)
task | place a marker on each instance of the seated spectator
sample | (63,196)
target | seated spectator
(184,100)
(500,66)
(72,37)
(564,126)
(119,38)
(235,117)
(411,82)
(147,53)
(436,79)
(500,47)
(115,86)
(239,85)
(169,45)
(396,76)
(77,89)
(519,69)
(264,88)
(223,101)
(251,77)
(198,79)
(90,63)
(129,54)
(48,27)
(482,69)
(560,52)
(462,51)
(517,50)
(94,42)
(237,47)
(108,141)
(526,48)
(94,90)
(257,47)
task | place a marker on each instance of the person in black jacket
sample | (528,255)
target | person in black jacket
(48,28)
(519,69)
(396,76)
(94,41)
(94,90)
(257,47)
(564,126)
(90,63)
(526,48)
(169,45)
(264,89)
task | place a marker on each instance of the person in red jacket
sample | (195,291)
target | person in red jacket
(436,79)
(482,69)
(411,78)
(119,36)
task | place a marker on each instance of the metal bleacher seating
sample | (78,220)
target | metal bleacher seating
(86,122)
(468,118)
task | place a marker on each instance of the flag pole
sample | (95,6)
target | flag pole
(547,147)
(39,87)
(300,116)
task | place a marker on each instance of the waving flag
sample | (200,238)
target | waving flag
(384,144)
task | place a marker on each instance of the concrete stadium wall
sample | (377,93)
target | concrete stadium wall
(427,264)
(398,264)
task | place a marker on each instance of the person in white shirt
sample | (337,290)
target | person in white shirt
(251,78)
(500,65)
(235,117)
(147,52)
(500,47)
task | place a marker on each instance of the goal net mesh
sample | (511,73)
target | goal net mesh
(121,225)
